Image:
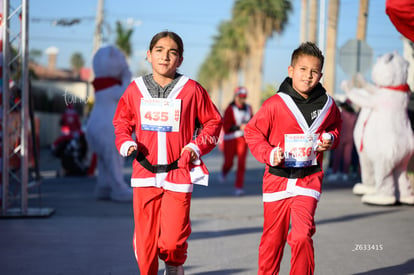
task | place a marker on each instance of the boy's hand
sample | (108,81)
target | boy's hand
(326,144)
(277,156)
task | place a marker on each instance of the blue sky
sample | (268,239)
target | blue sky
(197,23)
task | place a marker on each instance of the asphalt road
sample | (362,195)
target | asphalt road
(86,236)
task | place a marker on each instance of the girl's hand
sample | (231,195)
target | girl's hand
(131,149)
(193,155)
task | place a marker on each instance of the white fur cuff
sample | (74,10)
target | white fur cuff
(197,151)
(125,147)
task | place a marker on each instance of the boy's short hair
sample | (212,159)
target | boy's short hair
(307,48)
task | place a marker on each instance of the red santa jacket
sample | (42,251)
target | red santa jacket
(137,110)
(279,116)
(233,118)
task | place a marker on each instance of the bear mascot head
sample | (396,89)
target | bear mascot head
(110,62)
(382,133)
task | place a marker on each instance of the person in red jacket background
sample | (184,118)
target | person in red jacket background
(235,118)
(163,110)
(289,134)
(70,121)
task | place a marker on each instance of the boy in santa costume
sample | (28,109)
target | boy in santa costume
(235,118)
(162,109)
(289,134)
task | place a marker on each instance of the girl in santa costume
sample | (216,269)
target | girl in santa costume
(235,118)
(289,134)
(162,109)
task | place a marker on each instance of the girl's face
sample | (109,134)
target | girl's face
(305,74)
(165,59)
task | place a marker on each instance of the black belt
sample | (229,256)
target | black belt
(294,172)
(158,168)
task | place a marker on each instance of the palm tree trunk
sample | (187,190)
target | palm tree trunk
(362,20)
(215,94)
(329,72)
(254,75)
(228,89)
(97,39)
(253,72)
(313,20)
(303,21)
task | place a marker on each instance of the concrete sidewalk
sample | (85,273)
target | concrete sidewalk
(90,237)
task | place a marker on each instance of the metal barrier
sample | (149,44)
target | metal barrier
(16,116)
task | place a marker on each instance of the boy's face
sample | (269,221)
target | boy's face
(305,73)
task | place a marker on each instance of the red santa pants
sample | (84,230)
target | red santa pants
(300,211)
(162,227)
(235,147)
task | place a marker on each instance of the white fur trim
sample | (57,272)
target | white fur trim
(198,177)
(153,182)
(197,150)
(125,147)
(292,191)
(299,116)
(272,156)
(183,188)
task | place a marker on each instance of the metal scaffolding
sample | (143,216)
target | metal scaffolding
(16,118)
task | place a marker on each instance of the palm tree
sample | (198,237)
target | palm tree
(35,54)
(77,62)
(219,72)
(234,48)
(123,39)
(237,54)
(211,75)
(260,20)
(329,72)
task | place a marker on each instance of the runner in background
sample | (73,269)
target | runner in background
(236,116)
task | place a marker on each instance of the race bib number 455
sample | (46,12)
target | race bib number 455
(160,114)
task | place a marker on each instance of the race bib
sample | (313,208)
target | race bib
(160,114)
(299,150)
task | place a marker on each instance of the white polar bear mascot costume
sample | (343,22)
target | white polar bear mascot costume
(382,134)
(112,76)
